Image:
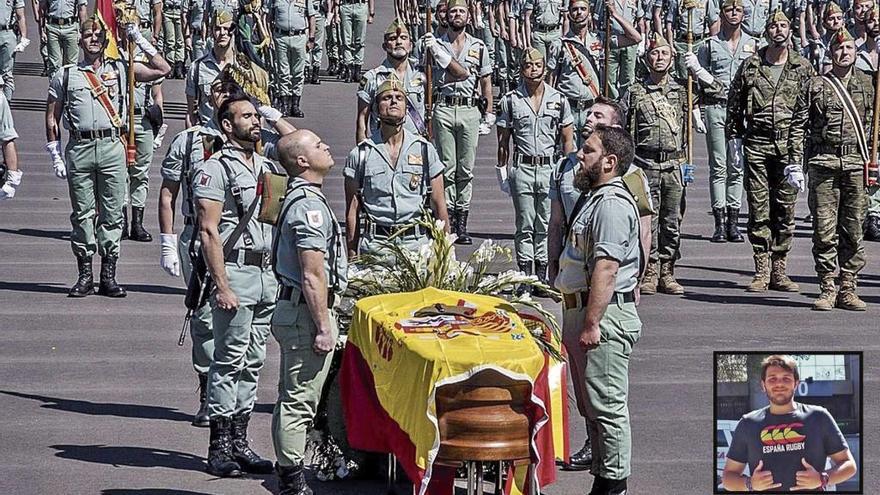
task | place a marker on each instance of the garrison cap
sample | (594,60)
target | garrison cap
(390,84)
(732,3)
(841,36)
(585,2)
(778,16)
(531,55)
(832,8)
(451,4)
(396,26)
(222,17)
(93,22)
(654,42)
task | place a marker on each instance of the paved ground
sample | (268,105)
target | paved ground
(95,395)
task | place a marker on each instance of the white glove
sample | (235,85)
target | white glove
(269,113)
(169,260)
(503,178)
(21,45)
(735,153)
(794,175)
(698,121)
(486,124)
(13,180)
(441,56)
(641,49)
(160,136)
(57,161)
(134,34)
(693,65)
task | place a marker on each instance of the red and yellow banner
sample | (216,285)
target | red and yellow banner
(107,15)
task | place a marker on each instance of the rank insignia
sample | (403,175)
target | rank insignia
(414,159)
(415,181)
(204,180)
(315,218)
(474,53)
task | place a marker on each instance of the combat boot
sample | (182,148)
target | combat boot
(733,233)
(605,486)
(316,73)
(201,418)
(124,222)
(667,283)
(343,72)
(761,280)
(249,461)
(526,268)
(846,297)
(355,73)
(295,111)
(719,234)
(580,460)
(649,281)
(292,480)
(220,460)
(138,232)
(307,74)
(827,293)
(463,237)
(541,272)
(107,285)
(333,68)
(778,279)
(871,228)
(85,282)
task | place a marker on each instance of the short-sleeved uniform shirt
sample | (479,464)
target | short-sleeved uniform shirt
(781,440)
(8,7)
(677,15)
(562,63)
(178,167)
(474,57)
(393,195)
(631,10)
(309,224)
(212,6)
(201,74)
(145,9)
(414,81)
(81,110)
(546,13)
(716,57)
(534,132)
(64,9)
(7,126)
(289,15)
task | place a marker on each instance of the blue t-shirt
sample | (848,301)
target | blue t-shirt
(781,440)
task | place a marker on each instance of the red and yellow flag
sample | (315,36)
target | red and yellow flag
(106,15)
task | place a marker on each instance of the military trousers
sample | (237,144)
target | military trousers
(771,199)
(302,375)
(456,131)
(240,340)
(62,43)
(541,41)
(725,177)
(530,188)
(502,53)
(375,245)
(201,322)
(198,44)
(290,52)
(317,53)
(667,190)
(488,38)
(172,33)
(96,181)
(606,383)
(622,69)
(8,40)
(139,173)
(333,42)
(837,202)
(353,20)
(874,200)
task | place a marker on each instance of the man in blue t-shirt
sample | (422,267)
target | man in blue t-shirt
(786,443)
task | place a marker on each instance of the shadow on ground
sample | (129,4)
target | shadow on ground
(130,456)
(137,411)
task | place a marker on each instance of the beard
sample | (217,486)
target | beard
(248,135)
(586,179)
(780,400)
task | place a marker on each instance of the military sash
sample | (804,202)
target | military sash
(578,62)
(99,91)
(849,108)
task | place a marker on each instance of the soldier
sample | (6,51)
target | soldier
(354,15)
(239,263)
(62,20)
(333,38)
(622,65)
(398,46)
(575,61)
(293,22)
(463,72)
(313,68)
(12,12)
(833,20)
(835,110)
(204,70)
(173,22)
(10,155)
(598,276)
(677,16)
(866,60)
(534,114)
(759,112)
(861,10)
(544,22)
(196,31)
(311,267)
(389,178)
(95,152)
(718,60)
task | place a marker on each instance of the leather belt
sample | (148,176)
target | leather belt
(348,2)
(533,160)
(6,27)
(287,293)
(546,29)
(659,156)
(263,259)
(100,134)
(295,32)
(459,101)
(389,230)
(146,24)
(580,104)
(775,134)
(577,300)
(62,21)
(697,39)
(839,150)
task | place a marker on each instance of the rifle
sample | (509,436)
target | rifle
(429,78)
(690,85)
(871,169)
(198,289)
(606,90)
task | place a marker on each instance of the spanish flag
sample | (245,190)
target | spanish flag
(106,15)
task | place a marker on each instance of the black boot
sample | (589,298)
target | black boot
(733,234)
(295,111)
(333,68)
(719,235)
(871,228)
(220,460)
(201,418)
(285,104)
(138,233)
(463,237)
(316,75)
(107,286)
(85,282)
(124,222)
(292,480)
(526,268)
(242,452)
(354,73)
(181,70)
(343,72)
(541,272)
(605,486)
(307,74)
(453,220)
(580,460)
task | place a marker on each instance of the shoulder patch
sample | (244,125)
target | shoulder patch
(204,180)
(315,218)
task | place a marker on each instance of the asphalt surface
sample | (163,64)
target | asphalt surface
(96,397)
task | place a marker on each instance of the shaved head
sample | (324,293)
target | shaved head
(302,153)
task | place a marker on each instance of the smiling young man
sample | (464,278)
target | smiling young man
(786,443)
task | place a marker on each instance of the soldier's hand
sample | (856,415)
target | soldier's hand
(590,338)
(13,180)
(699,126)
(310,45)
(612,8)
(794,175)
(324,342)
(226,300)
(168,257)
(21,45)
(57,162)
(763,480)
(370,18)
(501,173)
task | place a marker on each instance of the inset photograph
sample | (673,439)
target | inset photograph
(788,421)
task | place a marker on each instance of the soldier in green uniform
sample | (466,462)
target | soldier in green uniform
(62,19)
(311,266)
(463,74)
(204,70)
(543,22)
(173,28)
(535,115)
(835,111)
(598,277)
(389,178)
(718,60)
(293,22)
(8,135)
(354,15)
(334,38)
(677,29)
(224,191)
(316,54)
(398,46)
(762,98)
(12,15)
(89,98)
(622,65)
(197,27)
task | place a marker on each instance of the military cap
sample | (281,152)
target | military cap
(655,41)
(841,36)
(585,2)
(222,17)
(396,26)
(778,16)
(451,4)
(531,55)
(832,8)
(93,22)
(732,3)
(390,84)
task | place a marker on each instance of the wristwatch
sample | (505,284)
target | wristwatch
(824,477)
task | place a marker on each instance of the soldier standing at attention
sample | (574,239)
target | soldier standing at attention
(293,22)
(8,135)
(197,27)
(534,114)
(311,266)
(759,115)
(316,54)
(12,15)
(622,65)
(204,70)
(543,22)
(677,28)
(89,98)
(62,19)
(354,15)
(835,111)
(172,35)
(389,178)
